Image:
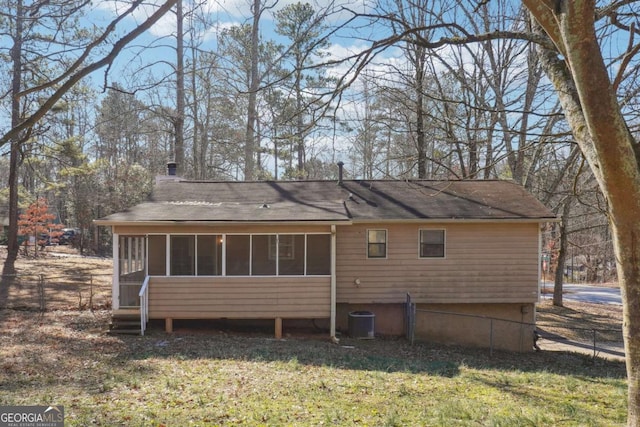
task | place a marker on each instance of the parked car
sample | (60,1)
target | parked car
(69,235)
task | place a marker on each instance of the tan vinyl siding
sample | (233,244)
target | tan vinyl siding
(239,297)
(484,262)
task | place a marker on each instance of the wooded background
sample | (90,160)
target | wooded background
(96,98)
(269,98)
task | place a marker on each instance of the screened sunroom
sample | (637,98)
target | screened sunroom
(218,256)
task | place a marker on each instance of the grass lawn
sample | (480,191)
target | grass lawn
(210,378)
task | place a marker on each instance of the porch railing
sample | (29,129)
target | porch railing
(144,305)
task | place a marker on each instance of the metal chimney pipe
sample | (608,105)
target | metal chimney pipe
(340,171)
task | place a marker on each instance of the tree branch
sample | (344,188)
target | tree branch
(83,72)
(626,59)
(544,12)
(78,62)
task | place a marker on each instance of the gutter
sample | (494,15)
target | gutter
(351,221)
(116,223)
(454,220)
(333,298)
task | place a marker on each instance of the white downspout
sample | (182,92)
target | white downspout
(167,255)
(535,311)
(333,284)
(115,287)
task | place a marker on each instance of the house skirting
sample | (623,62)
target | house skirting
(502,326)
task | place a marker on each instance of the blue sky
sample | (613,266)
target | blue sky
(157,45)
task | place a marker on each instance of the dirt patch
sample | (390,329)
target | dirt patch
(59,279)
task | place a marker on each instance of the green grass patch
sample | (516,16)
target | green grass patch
(207,378)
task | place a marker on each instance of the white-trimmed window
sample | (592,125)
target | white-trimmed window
(432,243)
(376,243)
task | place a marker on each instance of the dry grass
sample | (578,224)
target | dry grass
(212,378)
(577,321)
(68,281)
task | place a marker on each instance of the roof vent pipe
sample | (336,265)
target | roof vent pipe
(340,171)
(172,167)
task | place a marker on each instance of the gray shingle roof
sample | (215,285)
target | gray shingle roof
(354,200)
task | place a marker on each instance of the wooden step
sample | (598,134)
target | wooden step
(125,317)
(118,331)
(125,324)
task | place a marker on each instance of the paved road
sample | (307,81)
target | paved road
(587,293)
(590,294)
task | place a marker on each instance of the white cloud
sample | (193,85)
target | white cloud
(227,12)
(165,26)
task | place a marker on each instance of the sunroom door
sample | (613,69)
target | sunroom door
(131,269)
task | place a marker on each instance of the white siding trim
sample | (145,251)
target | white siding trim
(167,254)
(333,295)
(115,286)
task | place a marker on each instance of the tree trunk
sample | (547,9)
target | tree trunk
(300,121)
(16,87)
(179,119)
(420,133)
(562,255)
(604,138)
(252,114)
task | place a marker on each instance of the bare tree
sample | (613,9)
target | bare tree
(178,120)
(597,110)
(250,143)
(78,63)
(589,98)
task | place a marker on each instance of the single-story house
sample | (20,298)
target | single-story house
(325,249)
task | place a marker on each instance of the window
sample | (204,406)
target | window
(262,263)
(157,255)
(318,254)
(131,268)
(183,261)
(238,255)
(209,255)
(377,243)
(432,243)
(287,250)
(241,254)
(285,244)
(291,254)
(131,258)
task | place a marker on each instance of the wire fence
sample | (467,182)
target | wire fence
(40,292)
(492,332)
(605,342)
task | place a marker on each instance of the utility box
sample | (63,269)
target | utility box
(362,324)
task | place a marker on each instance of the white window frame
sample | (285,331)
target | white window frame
(444,243)
(223,237)
(386,243)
